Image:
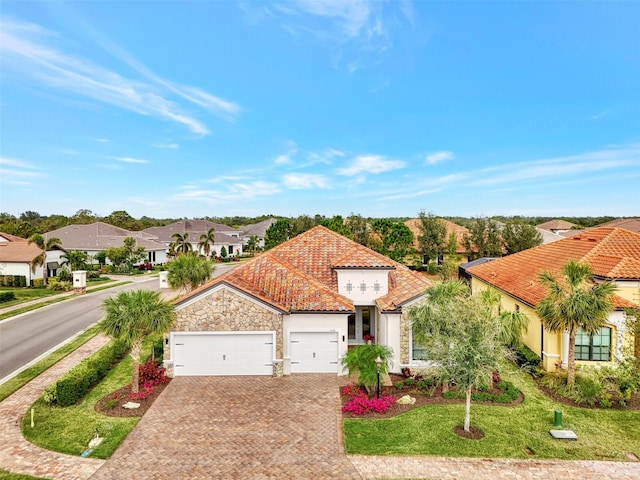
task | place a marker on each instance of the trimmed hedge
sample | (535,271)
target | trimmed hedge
(7,296)
(77,382)
(13,281)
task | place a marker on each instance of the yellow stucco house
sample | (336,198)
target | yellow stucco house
(612,253)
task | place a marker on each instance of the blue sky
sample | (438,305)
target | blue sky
(202,108)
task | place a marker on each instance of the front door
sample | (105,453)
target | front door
(361,324)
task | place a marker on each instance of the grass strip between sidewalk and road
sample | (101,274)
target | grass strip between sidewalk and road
(6,475)
(37,368)
(519,432)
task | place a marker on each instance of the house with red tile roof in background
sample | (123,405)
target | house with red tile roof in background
(16,255)
(462,255)
(296,308)
(612,253)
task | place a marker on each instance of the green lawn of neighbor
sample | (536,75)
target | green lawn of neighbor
(520,431)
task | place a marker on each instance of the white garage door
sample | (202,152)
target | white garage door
(314,352)
(223,353)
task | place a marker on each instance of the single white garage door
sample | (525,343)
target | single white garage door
(221,353)
(314,352)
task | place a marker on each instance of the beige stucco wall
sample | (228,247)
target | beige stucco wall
(549,344)
(629,291)
(226,310)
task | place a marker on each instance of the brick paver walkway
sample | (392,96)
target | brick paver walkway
(18,455)
(238,428)
(440,468)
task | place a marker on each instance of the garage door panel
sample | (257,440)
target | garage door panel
(223,354)
(314,352)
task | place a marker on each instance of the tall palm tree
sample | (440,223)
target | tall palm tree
(182,243)
(207,240)
(574,302)
(44,245)
(133,315)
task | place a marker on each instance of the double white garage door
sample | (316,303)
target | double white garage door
(251,353)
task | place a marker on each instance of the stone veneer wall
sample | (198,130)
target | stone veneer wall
(226,311)
(404,337)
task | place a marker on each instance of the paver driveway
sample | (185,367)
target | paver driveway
(237,428)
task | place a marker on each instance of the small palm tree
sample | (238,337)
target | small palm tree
(574,302)
(252,243)
(76,259)
(182,243)
(131,316)
(188,271)
(44,245)
(207,240)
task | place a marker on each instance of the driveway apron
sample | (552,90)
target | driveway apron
(237,428)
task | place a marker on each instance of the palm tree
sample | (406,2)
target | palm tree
(131,316)
(44,245)
(76,259)
(188,271)
(574,302)
(252,243)
(182,243)
(207,240)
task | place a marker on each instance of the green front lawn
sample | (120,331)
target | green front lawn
(69,430)
(26,295)
(520,431)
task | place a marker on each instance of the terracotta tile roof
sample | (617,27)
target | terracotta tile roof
(16,249)
(459,231)
(299,275)
(613,253)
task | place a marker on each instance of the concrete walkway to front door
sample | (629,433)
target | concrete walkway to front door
(238,428)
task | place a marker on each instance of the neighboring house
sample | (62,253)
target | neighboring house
(16,255)
(98,236)
(225,235)
(295,309)
(549,237)
(612,253)
(459,231)
(556,226)
(258,229)
(631,224)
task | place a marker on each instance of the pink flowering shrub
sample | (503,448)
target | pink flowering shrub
(145,391)
(361,404)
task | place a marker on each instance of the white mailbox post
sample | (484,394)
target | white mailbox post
(164,279)
(80,281)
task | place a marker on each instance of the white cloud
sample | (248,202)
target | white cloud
(305,181)
(282,160)
(101,140)
(131,160)
(24,50)
(11,168)
(14,162)
(171,146)
(402,196)
(437,157)
(371,164)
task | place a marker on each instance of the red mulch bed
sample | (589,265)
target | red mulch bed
(422,398)
(115,408)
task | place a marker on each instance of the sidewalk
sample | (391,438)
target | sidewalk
(19,456)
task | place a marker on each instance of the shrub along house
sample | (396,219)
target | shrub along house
(16,255)
(297,308)
(612,253)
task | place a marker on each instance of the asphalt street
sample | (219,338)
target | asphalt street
(26,337)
